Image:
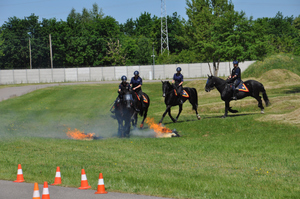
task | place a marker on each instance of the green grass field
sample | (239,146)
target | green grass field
(246,155)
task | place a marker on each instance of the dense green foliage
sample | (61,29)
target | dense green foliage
(214,31)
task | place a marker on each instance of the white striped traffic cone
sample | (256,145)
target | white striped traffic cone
(57,179)
(20,177)
(101,187)
(36,192)
(84,182)
(46,194)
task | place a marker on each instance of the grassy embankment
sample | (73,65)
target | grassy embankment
(248,154)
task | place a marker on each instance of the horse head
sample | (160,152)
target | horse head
(165,87)
(210,84)
(127,99)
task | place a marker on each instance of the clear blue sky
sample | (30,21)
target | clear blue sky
(122,10)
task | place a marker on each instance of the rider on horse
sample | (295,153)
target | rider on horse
(123,86)
(178,79)
(136,83)
(235,78)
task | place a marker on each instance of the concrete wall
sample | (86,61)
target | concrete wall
(111,73)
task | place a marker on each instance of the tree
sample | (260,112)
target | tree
(115,54)
(209,25)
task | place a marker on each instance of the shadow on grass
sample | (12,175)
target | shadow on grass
(235,115)
(293,90)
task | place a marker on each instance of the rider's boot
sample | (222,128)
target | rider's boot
(180,99)
(113,108)
(136,107)
(235,90)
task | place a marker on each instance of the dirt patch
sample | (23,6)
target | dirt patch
(280,76)
(287,118)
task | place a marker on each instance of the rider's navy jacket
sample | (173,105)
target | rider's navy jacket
(178,78)
(136,82)
(236,71)
(124,87)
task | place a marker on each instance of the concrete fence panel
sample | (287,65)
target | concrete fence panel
(33,76)
(58,75)
(120,71)
(71,74)
(96,74)
(20,76)
(109,73)
(83,74)
(146,72)
(46,75)
(7,77)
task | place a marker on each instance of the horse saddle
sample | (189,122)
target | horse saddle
(144,98)
(242,87)
(184,93)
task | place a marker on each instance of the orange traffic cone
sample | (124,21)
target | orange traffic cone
(57,179)
(101,188)
(20,177)
(36,192)
(84,182)
(45,194)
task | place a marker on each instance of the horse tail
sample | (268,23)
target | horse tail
(195,101)
(265,96)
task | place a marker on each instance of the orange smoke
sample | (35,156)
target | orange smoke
(160,131)
(78,135)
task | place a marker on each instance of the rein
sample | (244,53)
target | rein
(171,90)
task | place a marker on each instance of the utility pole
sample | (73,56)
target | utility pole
(153,54)
(164,28)
(50,50)
(30,54)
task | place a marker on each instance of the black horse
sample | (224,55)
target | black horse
(123,113)
(251,88)
(171,99)
(142,106)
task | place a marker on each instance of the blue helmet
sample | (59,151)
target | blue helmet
(235,62)
(178,69)
(124,78)
(136,72)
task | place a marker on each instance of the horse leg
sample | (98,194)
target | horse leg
(226,109)
(180,109)
(167,110)
(260,104)
(134,119)
(172,118)
(197,114)
(145,115)
(127,128)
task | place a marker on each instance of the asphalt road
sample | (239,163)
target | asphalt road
(11,190)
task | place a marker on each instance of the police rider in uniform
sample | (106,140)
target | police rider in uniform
(123,86)
(235,77)
(136,83)
(178,80)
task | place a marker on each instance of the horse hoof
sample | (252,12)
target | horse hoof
(262,112)
(223,116)
(199,118)
(141,126)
